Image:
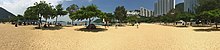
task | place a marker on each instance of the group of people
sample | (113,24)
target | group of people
(136,24)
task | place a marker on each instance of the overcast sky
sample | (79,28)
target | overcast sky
(19,6)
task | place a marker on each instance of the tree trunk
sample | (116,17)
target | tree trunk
(45,25)
(46,20)
(72,22)
(89,21)
(56,20)
(39,24)
(48,23)
(216,25)
(106,24)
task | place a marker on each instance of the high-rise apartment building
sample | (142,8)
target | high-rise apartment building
(189,5)
(133,12)
(145,12)
(162,7)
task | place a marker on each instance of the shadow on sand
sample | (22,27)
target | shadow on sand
(181,26)
(175,26)
(50,28)
(207,29)
(92,30)
(201,26)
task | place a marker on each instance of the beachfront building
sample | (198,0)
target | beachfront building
(145,12)
(133,12)
(189,5)
(162,7)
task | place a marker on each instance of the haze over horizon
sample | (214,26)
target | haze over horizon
(19,6)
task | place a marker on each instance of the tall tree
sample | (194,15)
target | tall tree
(31,13)
(48,13)
(213,15)
(208,10)
(71,10)
(206,5)
(87,13)
(107,17)
(186,17)
(120,13)
(60,11)
(42,9)
(132,19)
(39,10)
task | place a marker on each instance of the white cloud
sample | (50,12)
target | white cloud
(19,6)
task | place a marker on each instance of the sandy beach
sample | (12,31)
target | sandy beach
(146,37)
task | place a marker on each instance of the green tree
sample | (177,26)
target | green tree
(87,13)
(120,13)
(71,10)
(186,17)
(39,10)
(30,13)
(166,19)
(171,15)
(208,10)
(213,15)
(42,9)
(60,11)
(107,17)
(16,18)
(132,19)
(206,5)
(48,13)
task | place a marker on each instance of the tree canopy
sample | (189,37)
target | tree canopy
(120,13)
(86,13)
(39,10)
(71,10)
(206,5)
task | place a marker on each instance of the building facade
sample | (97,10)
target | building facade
(145,12)
(189,5)
(141,12)
(133,12)
(162,7)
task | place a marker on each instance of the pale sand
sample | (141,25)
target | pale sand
(147,37)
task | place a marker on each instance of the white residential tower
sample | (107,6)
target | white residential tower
(162,7)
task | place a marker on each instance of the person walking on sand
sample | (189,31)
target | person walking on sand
(137,25)
(116,25)
(16,25)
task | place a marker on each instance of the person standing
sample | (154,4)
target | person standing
(16,25)
(137,24)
